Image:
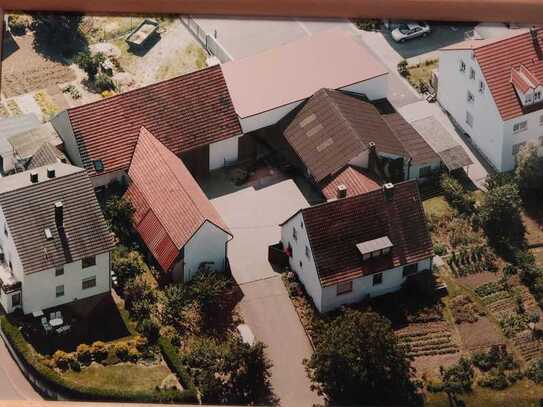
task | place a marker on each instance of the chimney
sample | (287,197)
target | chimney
(33,177)
(50,173)
(537,44)
(59,215)
(341,191)
(388,190)
(373,160)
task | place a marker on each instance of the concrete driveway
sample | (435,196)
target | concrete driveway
(253,215)
(13,384)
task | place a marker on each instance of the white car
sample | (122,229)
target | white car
(407,31)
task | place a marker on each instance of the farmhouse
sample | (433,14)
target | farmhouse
(339,139)
(493,90)
(55,244)
(192,115)
(173,217)
(362,246)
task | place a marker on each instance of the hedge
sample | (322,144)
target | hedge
(52,380)
(174,362)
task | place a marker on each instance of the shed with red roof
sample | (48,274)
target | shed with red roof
(179,225)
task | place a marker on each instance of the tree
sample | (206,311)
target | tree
(173,301)
(529,171)
(207,287)
(500,215)
(127,264)
(249,371)
(139,299)
(358,360)
(56,29)
(119,213)
(90,63)
(456,194)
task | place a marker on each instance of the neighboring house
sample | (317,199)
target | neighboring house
(20,137)
(55,243)
(363,246)
(192,115)
(173,217)
(334,131)
(493,90)
(265,87)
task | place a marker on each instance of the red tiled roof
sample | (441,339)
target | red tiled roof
(356,181)
(184,113)
(170,206)
(335,228)
(498,58)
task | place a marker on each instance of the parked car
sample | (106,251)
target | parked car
(407,31)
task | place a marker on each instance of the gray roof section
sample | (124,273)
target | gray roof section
(46,154)
(11,126)
(30,209)
(374,245)
(451,152)
(26,143)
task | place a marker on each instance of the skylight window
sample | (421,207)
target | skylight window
(325,144)
(98,165)
(48,234)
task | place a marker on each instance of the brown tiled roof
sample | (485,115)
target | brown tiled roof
(46,154)
(356,181)
(333,128)
(30,209)
(184,113)
(170,206)
(335,228)
(497,58)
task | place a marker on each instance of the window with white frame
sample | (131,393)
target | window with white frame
(344,288)
(540,141)
(59,271)
(517,147)
(541,120)
(471,73)
(307,254)
(537,96)
(470,97)
(481,87)
(16,300)
(520,127)
(462,66)
(89,261)
(294,234)
(88,282)
(59,291)
(411,269)
(378,279)
(469,119)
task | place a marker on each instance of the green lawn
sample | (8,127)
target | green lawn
(126,376)
(523,394)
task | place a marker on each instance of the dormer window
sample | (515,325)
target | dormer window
(374,248)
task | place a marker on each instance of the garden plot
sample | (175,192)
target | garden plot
(529,347)
(428,339)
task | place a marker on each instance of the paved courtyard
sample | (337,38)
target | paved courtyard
(253,214)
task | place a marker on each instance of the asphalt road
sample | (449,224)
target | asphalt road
(13,384)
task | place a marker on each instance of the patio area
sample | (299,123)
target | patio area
(67,326)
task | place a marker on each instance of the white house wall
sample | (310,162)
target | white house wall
(307,272)
(207,245)
(363,286)
(487,132)
(223,152)
(61,123)
(10,251)
(103,180)
(375,88)
(533,134)
(39,289)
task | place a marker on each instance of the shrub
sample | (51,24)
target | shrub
(75,365)
(150,330)
(104,83)
(121,351)
(18,23)
(62,360)
(402,68)
(139,299)
(456,195)
(99,351)
(367,24)
(535,371)
(140,342)
(495,379)
(133,354)
(440,249)
(83,354)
